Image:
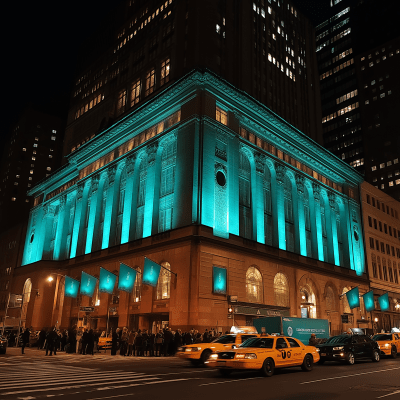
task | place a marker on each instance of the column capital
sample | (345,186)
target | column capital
(259,160)
(332,200)
(130,164)
(300,183)
(111,171)
(79,191)
(316,191)
(280,173)
(95,183)
(63,202)
(152,152)
(48,210)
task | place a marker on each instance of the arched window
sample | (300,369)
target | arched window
(164,282)
(245,217)
(26,296)
(308,300)
(96,296)
(346,306)
(254,285)
(281,290)
(137,293)
(330,299)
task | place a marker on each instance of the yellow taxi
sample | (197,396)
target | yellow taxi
(265,353)
(389,343)
(104,341)
(199,352)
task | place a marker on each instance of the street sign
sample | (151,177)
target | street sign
(233,299)
(230,316)
(86,309)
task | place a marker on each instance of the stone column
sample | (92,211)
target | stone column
(280,204)
(301,227)
(80,210)
(95,206)
(60,234)
(130,200)
(259,217)
(45,231)
(318,222)
(333,230)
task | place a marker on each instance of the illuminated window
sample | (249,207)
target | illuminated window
(164,282)
(221,116)
(121,104)
(135,92)
(23,149)
(165,68)
(36,138)
(217,28)
(31,171)
(150,82)
(13,198)
(53,138)
(48,168)
(281,290)
(33,158)
(254,286)
(35,145)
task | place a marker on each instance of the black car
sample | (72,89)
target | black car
(3,344)
(348,348)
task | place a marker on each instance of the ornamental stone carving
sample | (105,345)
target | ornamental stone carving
(63,202)
(332,200)
(280,173)
(111,171)
(152,153)
(260,162)
(130,164)
(79,192)
(300,183)
(316,192)
(95,183)
(48,210)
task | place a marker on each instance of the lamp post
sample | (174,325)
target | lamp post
(50,279)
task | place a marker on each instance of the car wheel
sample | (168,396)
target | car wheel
(393,353)
(205,355)
(375,356)
(268,367)
(350,358)
(321,361)
(307,363)
(225,372)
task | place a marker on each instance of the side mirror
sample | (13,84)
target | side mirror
(234,346)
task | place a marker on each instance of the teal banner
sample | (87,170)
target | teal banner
(127,277)
(107,281)
(384,302)
(219,280)
(71,287)
(353,297)
(88,284)
(369,301)
(151,271)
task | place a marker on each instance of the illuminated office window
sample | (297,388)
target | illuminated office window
(281,290)
(165,68)
(254,286)
(121,104)
(221,116)
(150,82)
(135,92)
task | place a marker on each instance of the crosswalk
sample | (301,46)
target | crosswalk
(39,379)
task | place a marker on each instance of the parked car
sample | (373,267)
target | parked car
(389,343)
(349,348)
(3,344)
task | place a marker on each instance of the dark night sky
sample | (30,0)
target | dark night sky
(40,45)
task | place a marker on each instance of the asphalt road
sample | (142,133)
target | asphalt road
(77,377)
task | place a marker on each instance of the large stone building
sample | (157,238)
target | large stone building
(200,176)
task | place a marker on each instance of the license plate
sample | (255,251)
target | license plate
(323,354)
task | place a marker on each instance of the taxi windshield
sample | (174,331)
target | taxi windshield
(226,339)
(382,337)
(262,343)
(338,339)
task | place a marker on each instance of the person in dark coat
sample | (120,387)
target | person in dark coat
(42,338)
(25,339)
(145,340)
(139,344)
(50,342)
(168,337)
(177,340)
(151,344)
(188,338)
(72,340)
(84,341)
(90,342)
(114,342)
(159,343)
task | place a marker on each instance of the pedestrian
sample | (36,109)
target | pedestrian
(159,342)
(42,338)
(90,342)
(313,340)
(131,343)
(168,337)
(25,339)
(151,344)
(188,338)
(50,342)
(145,340)
(124,342)
(139,343)
(114,342)
(177,340)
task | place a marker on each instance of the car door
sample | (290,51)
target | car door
(281,352)
(357,346)
(295,352)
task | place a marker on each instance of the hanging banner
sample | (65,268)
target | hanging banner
(107,281)
(219,280)
(384,302)
(88,284)
(369,301)
(127,277)
(353,297)
(151,272)
(71,287)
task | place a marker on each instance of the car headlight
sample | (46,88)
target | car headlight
(338,348)
(213,356)
(179,349)
(317,349)
(192,349)
(250,355)
(387,345)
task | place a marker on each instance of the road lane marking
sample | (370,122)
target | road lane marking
(348,376)
(389,394)
(230,381)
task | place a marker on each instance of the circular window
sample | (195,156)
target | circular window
(356,236)
(221,180)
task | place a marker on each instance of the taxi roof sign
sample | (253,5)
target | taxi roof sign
(243,329)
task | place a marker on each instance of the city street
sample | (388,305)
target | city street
(73,376)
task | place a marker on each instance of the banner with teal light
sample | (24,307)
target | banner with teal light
(151,272)
(384,302)
(107,281)
(71,287)
(219,280)
(353,297)
(88,284)
(127,277)
(369,301)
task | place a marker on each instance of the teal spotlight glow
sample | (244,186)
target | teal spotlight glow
(384,302)
(151,271)
(107,281)
(369,301)
(353,297)
(219,280)
(88,284)
(127,277)
(71,287)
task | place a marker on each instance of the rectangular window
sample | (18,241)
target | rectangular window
(377,244)
(370,221)
(368,199)
(165,68)
(135,92)
(388,249)
(380,226)
(385,228)
(221,116)
(121,105)
(371,242)
(382,248)
(375,224)
(150,82)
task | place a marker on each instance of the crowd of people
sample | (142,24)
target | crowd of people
(140,343)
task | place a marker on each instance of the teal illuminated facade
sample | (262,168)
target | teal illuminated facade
(201,155)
